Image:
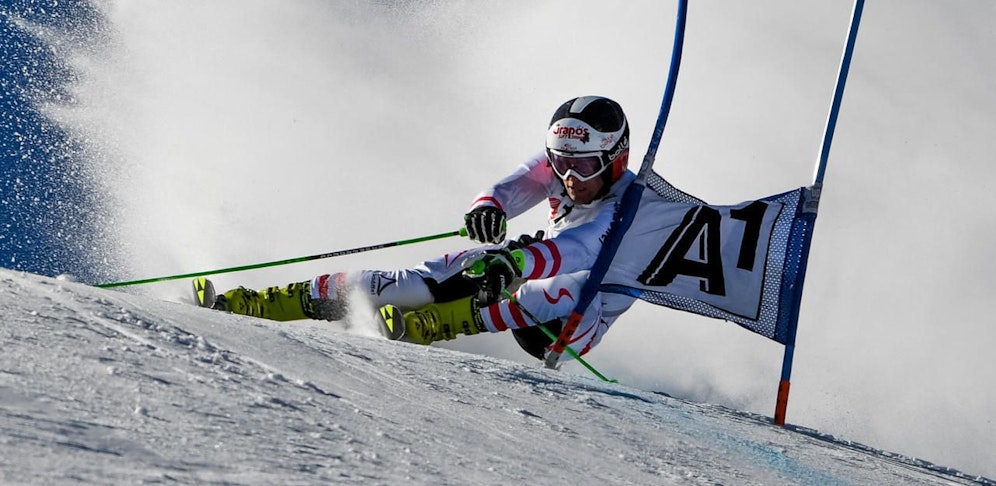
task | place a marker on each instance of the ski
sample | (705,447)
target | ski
(392,322)
(203,292)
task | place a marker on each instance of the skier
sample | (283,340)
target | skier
(516,284)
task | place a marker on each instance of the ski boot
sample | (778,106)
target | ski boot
(289,303)
(437,322)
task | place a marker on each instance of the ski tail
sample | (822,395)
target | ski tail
(392,322)
(204,294)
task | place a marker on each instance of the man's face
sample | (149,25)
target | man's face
(583,192)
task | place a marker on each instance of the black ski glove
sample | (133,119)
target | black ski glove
(493,272)
(525,240)
(485,224)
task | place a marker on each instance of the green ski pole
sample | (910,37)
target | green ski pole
(568,349)
(577,357)
(461,232)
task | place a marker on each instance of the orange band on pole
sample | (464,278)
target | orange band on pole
(565,334)
(782,402)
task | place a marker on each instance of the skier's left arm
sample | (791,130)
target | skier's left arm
(572,250)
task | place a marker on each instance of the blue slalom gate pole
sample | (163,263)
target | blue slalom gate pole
(810,210)
(629,204)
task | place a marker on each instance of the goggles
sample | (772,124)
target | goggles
(583,166)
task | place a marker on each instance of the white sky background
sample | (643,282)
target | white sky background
(263,131)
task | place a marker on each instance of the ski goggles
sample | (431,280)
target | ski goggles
(584,166)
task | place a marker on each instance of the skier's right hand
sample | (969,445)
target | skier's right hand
(494,272)
(486,224)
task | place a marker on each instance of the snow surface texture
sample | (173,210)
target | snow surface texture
(100,386)
(270,130)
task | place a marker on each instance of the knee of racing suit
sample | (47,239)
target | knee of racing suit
(404,288)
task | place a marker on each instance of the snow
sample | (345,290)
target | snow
(109,387)
(266,130)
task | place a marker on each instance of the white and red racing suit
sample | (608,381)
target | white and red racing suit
(554,269)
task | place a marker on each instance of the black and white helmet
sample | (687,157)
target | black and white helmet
(588,136)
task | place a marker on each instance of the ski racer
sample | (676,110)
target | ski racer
(504,284)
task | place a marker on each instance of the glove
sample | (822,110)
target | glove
(485,224)
(525,240)
(493,272)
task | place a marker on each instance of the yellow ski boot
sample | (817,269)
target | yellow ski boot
(289,303)
(437,322)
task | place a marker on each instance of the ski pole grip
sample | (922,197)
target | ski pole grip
(476,270)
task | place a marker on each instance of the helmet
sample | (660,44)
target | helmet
(588,136)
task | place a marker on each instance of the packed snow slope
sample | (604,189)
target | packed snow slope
(174,136)
(100,386)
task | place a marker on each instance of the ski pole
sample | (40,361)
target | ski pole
(577,357)
(461,232)
(552,337)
